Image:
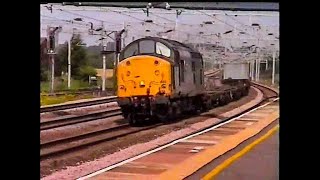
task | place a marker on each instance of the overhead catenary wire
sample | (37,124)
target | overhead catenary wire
(142,20)
(120,12)
(187,11)
(88,17)
(224,22)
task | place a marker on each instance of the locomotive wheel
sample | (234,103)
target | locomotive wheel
(222,100)
(132,119)
(163,113)
(177,112)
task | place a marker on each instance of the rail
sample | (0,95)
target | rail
(65,106)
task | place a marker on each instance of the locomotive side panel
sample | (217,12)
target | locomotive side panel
(188,75)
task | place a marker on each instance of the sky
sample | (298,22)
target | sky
(189,27)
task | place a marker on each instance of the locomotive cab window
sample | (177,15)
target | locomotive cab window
(162,49)
(146,47)
(131,51)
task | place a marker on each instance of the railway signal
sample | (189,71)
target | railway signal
(52,32)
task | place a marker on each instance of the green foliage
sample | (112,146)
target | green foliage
(110,61)
(48,100)
(78,57)
(94,59)
(86,71)
(63,85)
(84,61)
(43,74)
(61,61)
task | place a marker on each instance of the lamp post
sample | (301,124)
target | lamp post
(273,65)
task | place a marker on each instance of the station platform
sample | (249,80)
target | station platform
(198,156)
(256,158)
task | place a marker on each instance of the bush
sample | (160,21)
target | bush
(85,72)
(44,74)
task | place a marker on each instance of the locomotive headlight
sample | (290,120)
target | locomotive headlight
(141,84)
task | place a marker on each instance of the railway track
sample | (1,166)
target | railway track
(78,104)
(217,134)
(267,91)
(75,119)
(212,73)
(65,145)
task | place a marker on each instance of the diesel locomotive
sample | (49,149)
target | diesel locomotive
(160,78)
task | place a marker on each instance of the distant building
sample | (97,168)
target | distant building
(109,73)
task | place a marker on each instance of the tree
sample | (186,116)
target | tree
(86,71)
(78,58)
(61,61)
(95,58)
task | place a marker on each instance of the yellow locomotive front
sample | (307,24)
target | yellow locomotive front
(143,75)
(144,79)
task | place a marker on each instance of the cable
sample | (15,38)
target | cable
(121,12)
(144,21)
(85,16)
(168,19)
(238,21)
(63,23)
(225,23)
(152,22)
(67,21)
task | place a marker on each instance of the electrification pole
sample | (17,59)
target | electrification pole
(69,63)
(178,13)
(118,49)
(273,66)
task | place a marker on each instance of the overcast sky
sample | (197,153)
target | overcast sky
(188,29)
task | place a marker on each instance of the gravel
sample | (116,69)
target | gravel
(76,111)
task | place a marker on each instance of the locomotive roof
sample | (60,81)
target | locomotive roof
(172,44)
(178,49)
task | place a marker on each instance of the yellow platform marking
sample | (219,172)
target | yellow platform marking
(229,161)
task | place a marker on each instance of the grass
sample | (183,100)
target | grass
(62,85)
(75,85)
(49,100)
(268,82)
